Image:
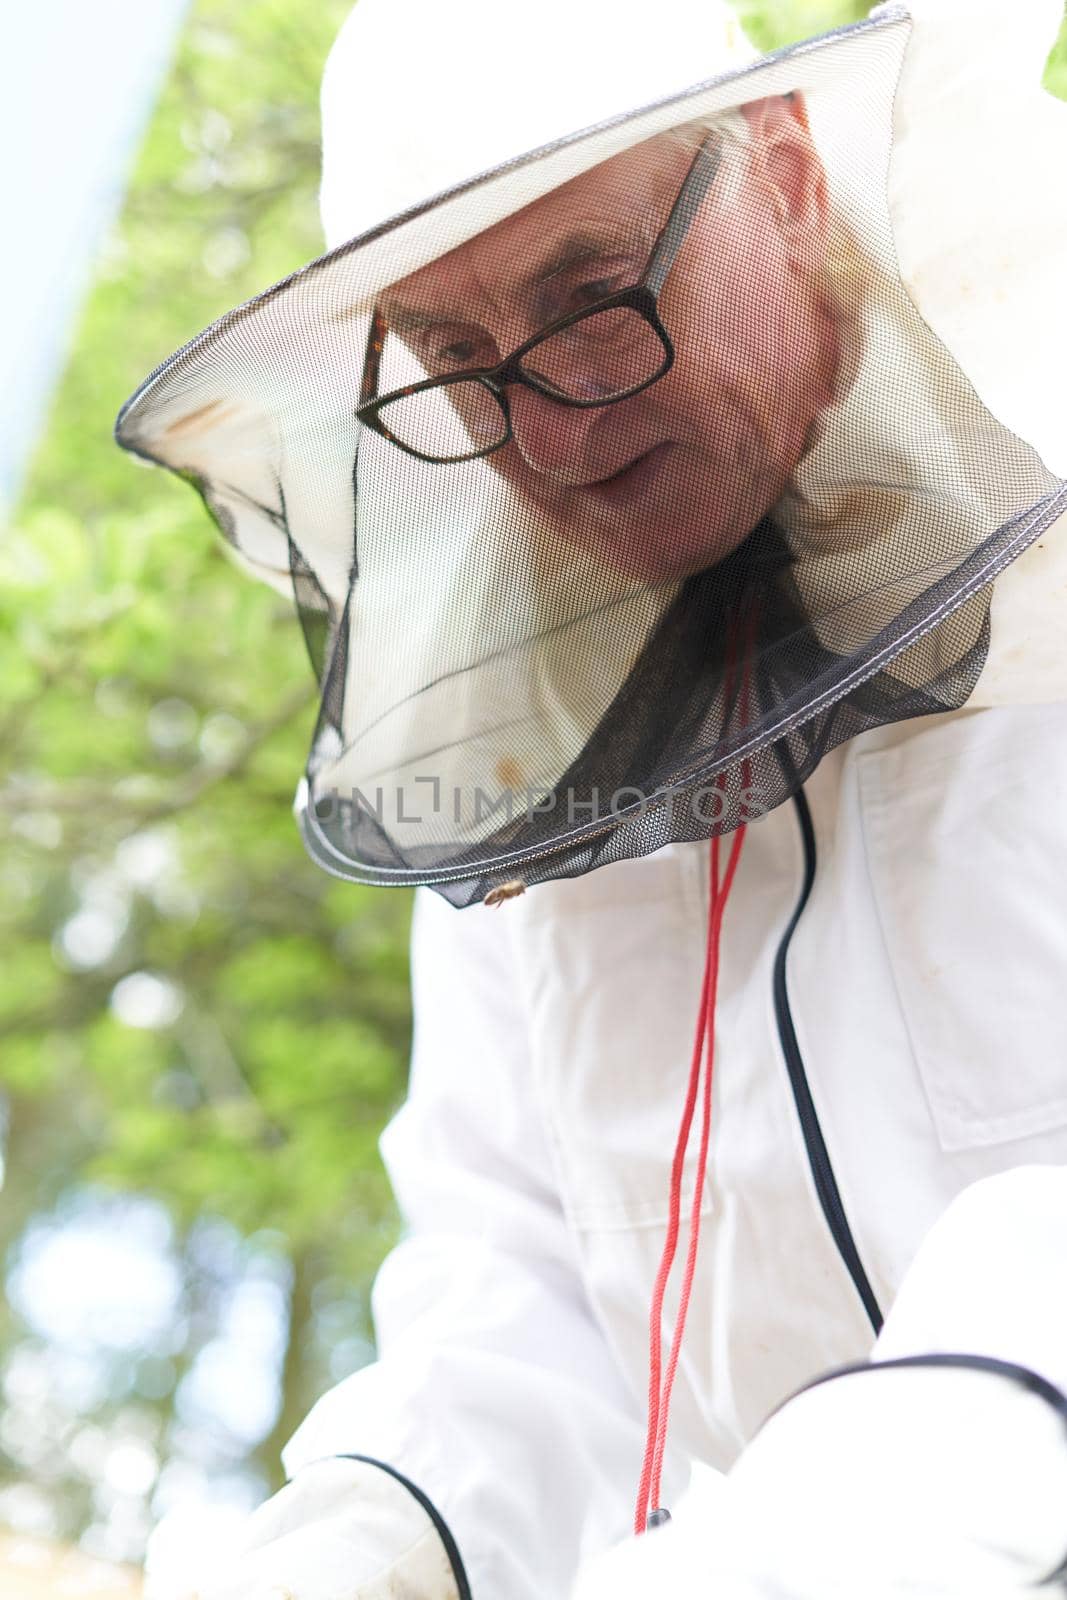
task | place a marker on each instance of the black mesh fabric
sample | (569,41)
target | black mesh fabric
(750,508)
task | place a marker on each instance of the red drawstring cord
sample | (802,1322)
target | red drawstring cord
(660,1388)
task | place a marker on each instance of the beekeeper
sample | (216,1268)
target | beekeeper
(664,461)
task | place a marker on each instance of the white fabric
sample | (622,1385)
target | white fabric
(532,1158)
(342,1530)
(927,1483)
(580,66)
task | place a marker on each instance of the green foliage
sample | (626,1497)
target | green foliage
(770,24)
(1055,79)
(156,710)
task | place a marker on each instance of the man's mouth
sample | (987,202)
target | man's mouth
(633,479)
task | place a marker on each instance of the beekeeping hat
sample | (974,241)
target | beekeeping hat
(660,417)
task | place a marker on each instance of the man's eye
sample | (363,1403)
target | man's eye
(460,354)
(585,283)
(587,294)
(455,352)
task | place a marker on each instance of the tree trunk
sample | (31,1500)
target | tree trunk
(296,1399)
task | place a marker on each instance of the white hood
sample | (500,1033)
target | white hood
(933,472)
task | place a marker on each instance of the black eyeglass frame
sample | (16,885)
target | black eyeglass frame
(642,297)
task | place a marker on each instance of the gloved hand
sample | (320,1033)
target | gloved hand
(922,1481)
(341,1530)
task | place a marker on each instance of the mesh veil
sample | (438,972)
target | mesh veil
(658,597)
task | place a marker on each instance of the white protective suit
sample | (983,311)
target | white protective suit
(889,1031)
(923,1018)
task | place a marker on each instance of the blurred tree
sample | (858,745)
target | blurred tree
(188,1009)
(200,1034)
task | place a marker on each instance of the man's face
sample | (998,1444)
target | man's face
(667,481)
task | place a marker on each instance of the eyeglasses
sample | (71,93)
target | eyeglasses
(597,356)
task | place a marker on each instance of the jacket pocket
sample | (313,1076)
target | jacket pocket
(965,826)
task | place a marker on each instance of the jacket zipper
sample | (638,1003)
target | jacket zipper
(818,1157)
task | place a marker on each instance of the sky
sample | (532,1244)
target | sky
(78,79)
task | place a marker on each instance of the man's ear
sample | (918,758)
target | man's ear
(786,161)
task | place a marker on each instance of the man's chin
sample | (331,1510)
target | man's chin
(660,550)
(634,529)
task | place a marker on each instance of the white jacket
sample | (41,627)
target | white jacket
(914,1041)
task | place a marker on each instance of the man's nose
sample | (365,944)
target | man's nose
(551,438)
